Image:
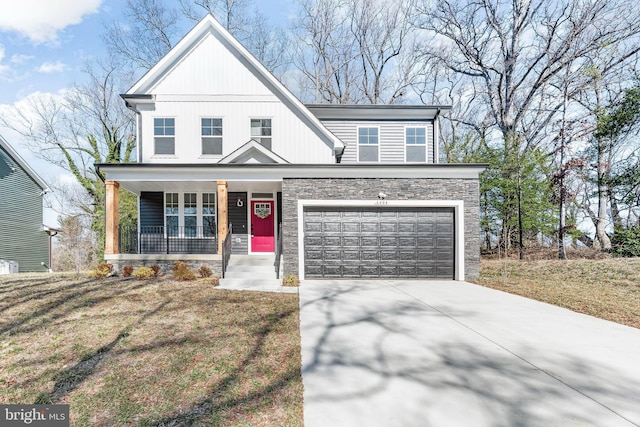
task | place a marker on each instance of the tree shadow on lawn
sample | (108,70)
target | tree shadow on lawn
(65,303)
(68,380)
(208,404)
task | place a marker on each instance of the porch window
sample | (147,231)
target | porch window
(416,144)
(164,131)
(211,130)
(261,131)
(209,214)
(190,214)
(368,144)
(172,210)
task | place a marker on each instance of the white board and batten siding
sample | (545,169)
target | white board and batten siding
(391,138)
(210,82)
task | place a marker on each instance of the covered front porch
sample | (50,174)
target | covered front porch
(191,221)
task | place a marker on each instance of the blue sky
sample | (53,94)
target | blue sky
(44,43)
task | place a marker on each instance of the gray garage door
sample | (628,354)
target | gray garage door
(378,242)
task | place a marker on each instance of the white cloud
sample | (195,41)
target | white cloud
(4,69)
(52,67)
(19,58)
(40,20)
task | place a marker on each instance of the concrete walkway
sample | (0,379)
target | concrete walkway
(416,353)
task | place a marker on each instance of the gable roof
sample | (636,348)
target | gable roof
(210,26)
(4,145)
(252,150)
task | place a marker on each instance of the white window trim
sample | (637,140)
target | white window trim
(175,138)
(358,143)
(458,212)
(211,156)
(272,126)
(181,215)
(426,145)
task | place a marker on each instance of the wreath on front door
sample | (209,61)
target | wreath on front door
(262,210)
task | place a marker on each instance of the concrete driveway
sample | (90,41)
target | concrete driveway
(423,353)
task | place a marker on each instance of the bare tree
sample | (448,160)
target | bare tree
(87,125)
(516,50)
(150,32)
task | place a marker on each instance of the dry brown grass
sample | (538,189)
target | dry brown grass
(605,288)
(128,352)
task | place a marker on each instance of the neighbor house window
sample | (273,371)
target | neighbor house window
(368,144)
(416,144)
(190,214)
(209,214)
(164,132)
(261,131)
(172,210)
(211,130)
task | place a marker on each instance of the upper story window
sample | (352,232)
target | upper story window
(211,130)
(368,143)
(164,131)
(261,131)
(416,144)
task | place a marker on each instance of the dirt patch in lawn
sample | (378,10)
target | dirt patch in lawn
(605,288)
(129,352)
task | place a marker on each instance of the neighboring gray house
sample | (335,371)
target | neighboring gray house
(356,191)
(23,238)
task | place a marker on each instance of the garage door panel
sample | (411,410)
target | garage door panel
(389,227)
(388,255)
(407,242)
(379,242)
(351,255)
(388,241)
(370,227)
(331,241)
(350,241)
(351,227)
(331,227)
(370,256)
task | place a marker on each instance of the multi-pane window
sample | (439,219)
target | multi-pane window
(172,211)
(261,131)
(211,130)
(416,144)
(190,214)
(164,133)
(368,144)
(209,214)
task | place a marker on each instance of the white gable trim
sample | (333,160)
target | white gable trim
(252,146)
(24,165)
(209,25)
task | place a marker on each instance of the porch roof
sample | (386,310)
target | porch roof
(137,177)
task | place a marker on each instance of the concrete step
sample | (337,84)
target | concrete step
(250,274)
(261,285)
(256,269)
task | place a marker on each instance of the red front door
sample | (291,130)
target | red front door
(262,220)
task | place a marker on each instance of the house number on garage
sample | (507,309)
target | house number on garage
(381,203)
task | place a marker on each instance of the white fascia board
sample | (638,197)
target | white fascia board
(276,172)
(328,112)
(457,205)
(193,37)
(24,165)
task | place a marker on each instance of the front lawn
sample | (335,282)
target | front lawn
(605,288)
(160,352)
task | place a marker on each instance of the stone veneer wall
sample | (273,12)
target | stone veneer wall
(395,189)
(166,266)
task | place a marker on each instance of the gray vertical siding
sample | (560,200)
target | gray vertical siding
(151,209)
(391,138)
(238,218)
(22,237)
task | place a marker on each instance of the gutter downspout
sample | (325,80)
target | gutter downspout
(436,137)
